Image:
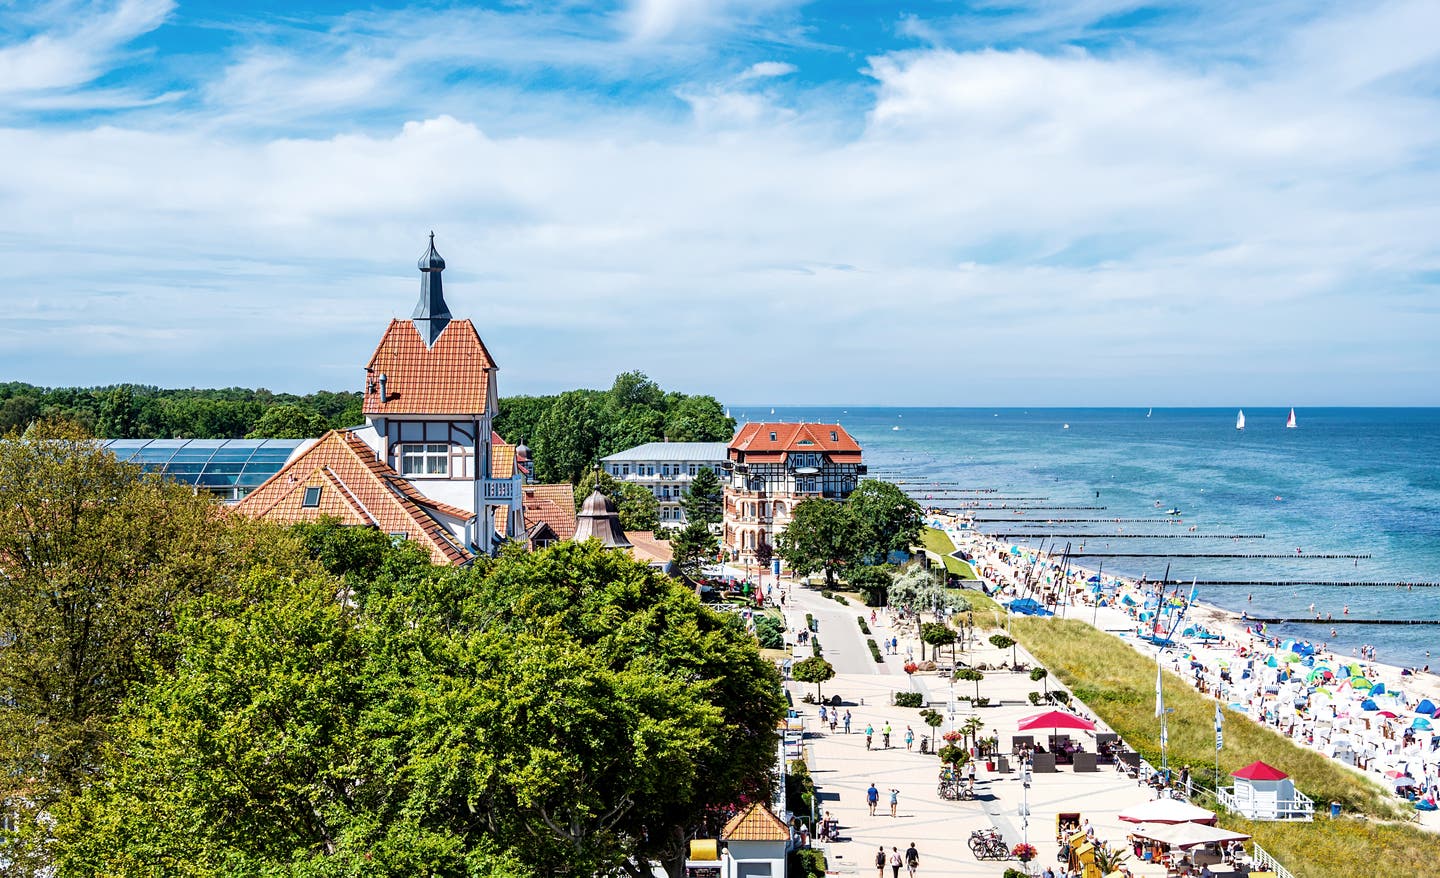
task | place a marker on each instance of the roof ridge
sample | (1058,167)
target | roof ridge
(349,495)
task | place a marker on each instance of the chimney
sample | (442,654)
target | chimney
(382,387)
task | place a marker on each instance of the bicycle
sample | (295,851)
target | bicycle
(987,844)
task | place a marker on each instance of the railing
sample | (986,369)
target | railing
(499,489)
(1264,860)
(1302,807)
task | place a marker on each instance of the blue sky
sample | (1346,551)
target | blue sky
(1096,202)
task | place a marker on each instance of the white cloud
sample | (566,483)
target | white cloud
(768,70)
(78,45)
(990,222)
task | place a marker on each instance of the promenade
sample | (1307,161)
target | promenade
(843,769)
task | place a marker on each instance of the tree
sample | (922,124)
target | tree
(567,438)
(96,562)
(633,390)
(1001,641)
(817,538)
(933,719)
(18,413)
(886,519)
(874,581)
(704,500)
(764,554)
(813,670)
(119,415)
(971,729)
(638,508)
(694,546)
(519,417)
(288,422)
(937,634)
(699,419)
(973,676)
(1040,675)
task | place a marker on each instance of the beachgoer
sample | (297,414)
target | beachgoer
(912,859)
(824,717)
(894,802)
(869,735)
(834,720)
(885,734)
(894,862)
(909,738)
(872,798)
(880,863)
(847,722)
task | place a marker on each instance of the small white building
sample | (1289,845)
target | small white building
(666,470)
(755,844)
(1264,792)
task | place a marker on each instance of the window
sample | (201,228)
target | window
(624,469)
(834,436)
(429,459)
(772,435)
(692,470)
(312,498)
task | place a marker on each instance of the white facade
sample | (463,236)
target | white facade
(666,470)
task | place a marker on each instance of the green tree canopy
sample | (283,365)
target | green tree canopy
(874,581)
(638,508)
(704,500)
(886,519)
(694,546)
(567,438)
(699,419)
(288,422)
(813,670)
(819,537)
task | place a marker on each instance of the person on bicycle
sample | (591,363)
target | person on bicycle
(885,734)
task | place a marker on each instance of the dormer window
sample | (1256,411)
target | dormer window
(834,436)
(772,435)
(425,459)
(311,500)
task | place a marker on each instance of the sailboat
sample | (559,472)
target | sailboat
(1240,420)
(1290,421)
(1149,412)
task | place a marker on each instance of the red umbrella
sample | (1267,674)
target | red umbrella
(1055,719)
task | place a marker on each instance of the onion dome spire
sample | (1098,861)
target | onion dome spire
(431,313)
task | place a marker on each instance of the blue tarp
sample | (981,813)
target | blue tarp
(1028,607)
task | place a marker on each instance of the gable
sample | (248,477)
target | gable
(454,376)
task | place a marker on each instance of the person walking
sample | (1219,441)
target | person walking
(880,859)
(834,719)
(847,721)
(824,717)
(872,798)
(912,859)
(909,738)
(885,734)
(894,862)
(970,775)
(894,803)
(869,735)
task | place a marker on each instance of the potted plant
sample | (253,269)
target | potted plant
(1024,852)
(911,667)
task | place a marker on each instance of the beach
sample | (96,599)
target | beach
(1244,667)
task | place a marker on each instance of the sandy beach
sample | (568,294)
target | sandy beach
(1302,689)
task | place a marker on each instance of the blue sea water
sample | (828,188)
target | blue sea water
(1346,481)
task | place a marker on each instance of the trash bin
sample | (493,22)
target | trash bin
(1334,810)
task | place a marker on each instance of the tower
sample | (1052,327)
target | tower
(431,314)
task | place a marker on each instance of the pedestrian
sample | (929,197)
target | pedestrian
(912,859)
(823,716)
(970,774)
(885,734)
(847,722)
(894,802)
(869,735)
(894,862)
(909,738)
(834,720)
(880,863)
(872,798)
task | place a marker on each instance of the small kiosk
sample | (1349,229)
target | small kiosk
(755,844)
(1264,792)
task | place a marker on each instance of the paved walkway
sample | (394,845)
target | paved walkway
(843,769)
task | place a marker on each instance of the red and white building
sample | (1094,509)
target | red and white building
(427,465)
(773,467)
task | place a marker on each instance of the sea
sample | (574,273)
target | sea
(1345,481)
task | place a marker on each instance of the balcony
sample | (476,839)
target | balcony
(499,489)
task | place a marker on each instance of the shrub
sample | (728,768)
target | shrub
(909,699)
(841,599)
(810,621)
(1061,696)
(826,593)
(1034,698)
(953,755)
(864,626)
(770,631)
(875,651)
(806,863)
(815,646)
(980,702)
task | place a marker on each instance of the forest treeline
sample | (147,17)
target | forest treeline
(567,432)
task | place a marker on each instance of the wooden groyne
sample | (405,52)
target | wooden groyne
(1273,557)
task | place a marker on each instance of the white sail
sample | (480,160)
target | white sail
(1240,420)
(1149,412)
(1290,421)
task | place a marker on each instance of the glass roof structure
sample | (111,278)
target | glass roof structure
(219,465)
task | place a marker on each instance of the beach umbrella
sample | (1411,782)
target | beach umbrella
(1369,704)
(1167,811)
(1360,683)
(1055,719)
(1388,714)
(1421,723)
(1378,690)
(1426,706)
(1355,670)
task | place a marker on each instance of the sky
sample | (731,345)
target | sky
(1097,202)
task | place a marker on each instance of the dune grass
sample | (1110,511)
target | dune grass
(1118,683)
(939,543)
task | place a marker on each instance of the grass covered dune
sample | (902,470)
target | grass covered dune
(1118,683)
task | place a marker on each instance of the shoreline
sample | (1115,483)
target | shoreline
(1208,662)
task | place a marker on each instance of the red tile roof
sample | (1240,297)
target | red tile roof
(1259,771)
(755,823)
(451,378)
(553,505)
(358,489)
(755,443)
